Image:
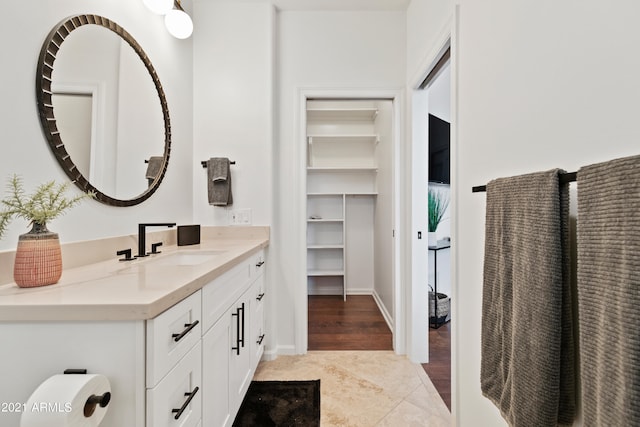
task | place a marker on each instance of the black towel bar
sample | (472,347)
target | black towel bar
(564,179)
(204,163)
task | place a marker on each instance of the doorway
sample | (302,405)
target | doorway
(349,199)
(431,143)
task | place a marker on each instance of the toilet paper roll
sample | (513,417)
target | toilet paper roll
(68,401)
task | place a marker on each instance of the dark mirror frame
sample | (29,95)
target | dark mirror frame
(44,72)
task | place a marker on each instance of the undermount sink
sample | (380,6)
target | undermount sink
(185,258)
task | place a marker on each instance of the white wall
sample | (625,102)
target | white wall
(25,149)
(535,91)
(233,104)
(426,19)
(319,50)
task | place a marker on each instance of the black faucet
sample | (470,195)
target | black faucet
(142,241)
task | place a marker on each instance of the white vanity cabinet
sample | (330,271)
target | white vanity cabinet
(188,366)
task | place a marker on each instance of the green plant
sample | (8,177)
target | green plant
(47,202)
(438,203)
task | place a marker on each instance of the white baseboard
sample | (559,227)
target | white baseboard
(383,310)
(337,290)
(281,350)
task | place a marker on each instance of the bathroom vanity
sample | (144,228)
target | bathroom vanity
(178,334)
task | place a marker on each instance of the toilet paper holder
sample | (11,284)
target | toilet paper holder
(93,400)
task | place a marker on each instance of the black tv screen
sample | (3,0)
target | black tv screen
(439,146)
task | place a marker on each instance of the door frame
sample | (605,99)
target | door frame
(448,36)
(301,292)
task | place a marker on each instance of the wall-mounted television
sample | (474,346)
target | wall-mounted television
(439,147)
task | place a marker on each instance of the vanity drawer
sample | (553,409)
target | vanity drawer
(171,335)
(177,400)
(218,295)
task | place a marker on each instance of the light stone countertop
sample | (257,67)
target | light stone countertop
(133,290)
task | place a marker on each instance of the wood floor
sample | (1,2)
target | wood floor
(354,324)
(357,324)
(439,367)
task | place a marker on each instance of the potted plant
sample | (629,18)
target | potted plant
(438,203)
(38,256)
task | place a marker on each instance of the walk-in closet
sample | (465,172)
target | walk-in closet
(350,199)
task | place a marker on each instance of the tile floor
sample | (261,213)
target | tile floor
(364,388)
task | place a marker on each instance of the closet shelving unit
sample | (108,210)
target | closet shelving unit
(341,163)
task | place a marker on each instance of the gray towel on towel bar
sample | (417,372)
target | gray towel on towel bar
(609,291)
(527,356)
(154,167)
(219,181)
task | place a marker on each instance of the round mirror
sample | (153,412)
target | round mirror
(97,94)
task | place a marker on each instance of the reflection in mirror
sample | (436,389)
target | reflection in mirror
(103,120)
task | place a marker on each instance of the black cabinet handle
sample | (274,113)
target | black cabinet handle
(260,296)
(189,327)
(260,339)
(179,412)
(260,264)
(237,347)
(242,340)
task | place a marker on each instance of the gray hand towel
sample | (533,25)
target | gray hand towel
(154,167)
(609,291)
(527,357)
(219,181)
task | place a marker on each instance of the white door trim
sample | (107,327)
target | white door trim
(448,36)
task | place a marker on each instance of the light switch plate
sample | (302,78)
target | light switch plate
(240,216)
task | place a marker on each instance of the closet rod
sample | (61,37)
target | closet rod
(564,179)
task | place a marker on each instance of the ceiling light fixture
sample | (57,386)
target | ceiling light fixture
(176,20)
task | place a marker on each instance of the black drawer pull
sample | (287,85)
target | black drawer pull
(259,264)
(260,339)
(260,296)
(189,327)
(179,412)
(242,339)
(237,347)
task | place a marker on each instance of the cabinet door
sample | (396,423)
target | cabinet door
(215,374)
(240,371)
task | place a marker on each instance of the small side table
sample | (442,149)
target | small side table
(441,244)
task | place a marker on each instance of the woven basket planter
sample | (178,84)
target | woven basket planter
(444,306)
(38,258)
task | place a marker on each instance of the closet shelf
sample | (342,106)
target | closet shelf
(353,193)
(337,138)
(330,169)
(325,273)
(325,220)
(340,114)
(337,246)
